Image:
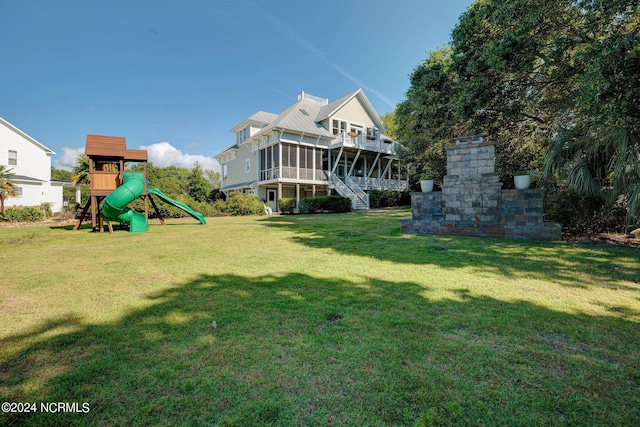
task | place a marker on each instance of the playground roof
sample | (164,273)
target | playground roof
(112,147)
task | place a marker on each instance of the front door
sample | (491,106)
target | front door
(272,198)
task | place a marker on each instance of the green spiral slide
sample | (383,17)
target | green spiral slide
(114,206)
(169,200)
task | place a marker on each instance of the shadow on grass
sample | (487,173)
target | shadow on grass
(377,235)
(297,350)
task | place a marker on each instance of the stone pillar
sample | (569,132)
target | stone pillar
(471,189)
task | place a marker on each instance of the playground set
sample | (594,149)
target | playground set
(113,189)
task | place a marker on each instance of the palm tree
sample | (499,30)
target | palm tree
(607,164)
(80,174)
(7,186)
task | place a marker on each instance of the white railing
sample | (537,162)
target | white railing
(380,184)
(363,142)
(364,197)
(269,174)
(292,173)
(352,192)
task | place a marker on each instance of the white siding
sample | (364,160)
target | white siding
(353,112)
(236,169)
(33,161)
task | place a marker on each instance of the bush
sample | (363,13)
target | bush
(581,214)
(286,205)
(45,208)
(26,214)
(388,198)
(325,204)
(240,204)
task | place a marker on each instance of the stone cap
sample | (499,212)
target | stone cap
(470,139)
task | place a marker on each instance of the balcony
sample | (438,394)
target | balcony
(380,183)
(287,172)
(363,142)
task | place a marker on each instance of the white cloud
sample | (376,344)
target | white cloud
(67,159)
(163,154)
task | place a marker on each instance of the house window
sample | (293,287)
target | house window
(242,135)
(356,129)
(338,126)
(13,158)
(248,165)
(18,191)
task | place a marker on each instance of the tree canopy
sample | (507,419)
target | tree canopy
(556,83)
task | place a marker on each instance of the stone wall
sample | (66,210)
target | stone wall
(472,202)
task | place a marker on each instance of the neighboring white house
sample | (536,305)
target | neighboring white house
(311,148)
(30,161)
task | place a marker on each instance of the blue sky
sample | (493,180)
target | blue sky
(175,76)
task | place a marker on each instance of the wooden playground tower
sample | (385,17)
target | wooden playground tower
(108,156)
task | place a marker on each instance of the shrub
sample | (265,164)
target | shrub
(286,205)
(325,204)
(388,198)
(581,214)
(240,204)
(26,214)
(45,208)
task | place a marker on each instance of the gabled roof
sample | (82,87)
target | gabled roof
(260,118)
(330,109)
(27,137)
(299,118)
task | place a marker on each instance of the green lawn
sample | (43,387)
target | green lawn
(322,320)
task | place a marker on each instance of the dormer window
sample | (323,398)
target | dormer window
(243,135)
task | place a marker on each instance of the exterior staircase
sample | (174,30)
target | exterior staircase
(359,199)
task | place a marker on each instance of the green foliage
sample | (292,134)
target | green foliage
(214,195)
(239,203)
(80,174)
(388,198)
(45,208)
(426,125)
(581,214)
(389,120)
(25,214)
(556,77)
(325,204)
(198,186)
(286,205)
(60,175)
(213,177)
(7,186)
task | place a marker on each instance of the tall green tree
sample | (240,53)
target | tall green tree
(425,119)
(389,120)
(597,148)
(7,185)
(198,186)
(559,77)
(214,178)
